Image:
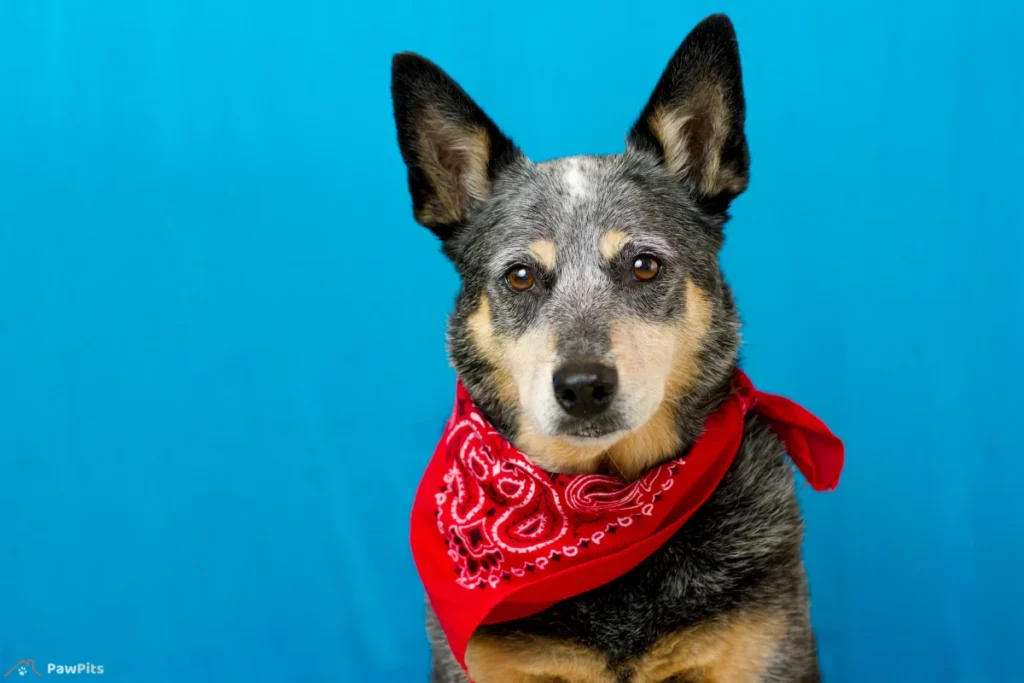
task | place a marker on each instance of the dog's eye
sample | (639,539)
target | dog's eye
(519,278)
(645,267)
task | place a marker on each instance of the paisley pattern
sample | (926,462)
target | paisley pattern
(502,517)
(496,538)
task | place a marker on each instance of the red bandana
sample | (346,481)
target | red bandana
(496,538)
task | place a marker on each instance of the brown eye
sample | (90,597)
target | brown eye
(645,267)
(519,278)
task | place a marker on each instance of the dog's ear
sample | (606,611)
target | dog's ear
(452,150)
(694,119)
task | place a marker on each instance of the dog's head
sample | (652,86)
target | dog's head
(593,324)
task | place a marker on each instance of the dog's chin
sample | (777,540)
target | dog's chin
(598,433)
(602,433)
(603,441)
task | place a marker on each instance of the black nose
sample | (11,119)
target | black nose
(585,389)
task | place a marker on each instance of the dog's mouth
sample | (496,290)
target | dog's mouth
(598,431)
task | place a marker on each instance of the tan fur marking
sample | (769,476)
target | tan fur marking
(534,660)
(733,649)
(637,451)
(658,439)
(552,453)
(692,137)
(669,126)
(530,359)
(738,649)
(455,160)
(545,252)
(523,365)
(482,333)
(612,243)
(642,351)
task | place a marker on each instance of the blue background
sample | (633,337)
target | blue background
(221,334)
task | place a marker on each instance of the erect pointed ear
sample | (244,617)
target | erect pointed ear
(694,119)
(452,150)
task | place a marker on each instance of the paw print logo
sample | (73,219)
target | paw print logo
(24,668)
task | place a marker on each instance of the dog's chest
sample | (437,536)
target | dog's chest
(733,649)
(705,607)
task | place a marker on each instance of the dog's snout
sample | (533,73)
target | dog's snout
(586,388)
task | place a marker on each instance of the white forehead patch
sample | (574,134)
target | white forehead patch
(575,179)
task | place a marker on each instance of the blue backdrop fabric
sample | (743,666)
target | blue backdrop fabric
(222,364)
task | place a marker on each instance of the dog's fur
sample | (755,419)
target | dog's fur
(726,599)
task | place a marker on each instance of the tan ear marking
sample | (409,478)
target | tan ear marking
(669,126)
(693,135)
(454,158)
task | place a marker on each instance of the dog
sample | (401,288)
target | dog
(596,331)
